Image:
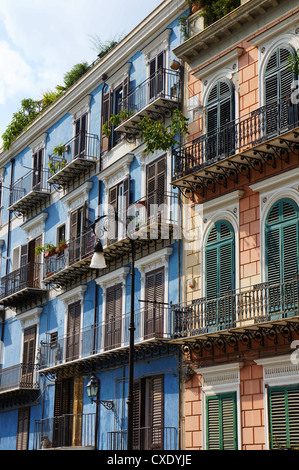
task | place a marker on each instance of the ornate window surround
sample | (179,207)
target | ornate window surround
(79,109)
(74,200)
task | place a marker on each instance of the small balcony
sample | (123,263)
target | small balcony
(263,306)
(249,143)
(156,97)
(22,286)
(68,263)
(30,192)
(145,438)
(19,385)
(65,432)
(76,158)
(107,339)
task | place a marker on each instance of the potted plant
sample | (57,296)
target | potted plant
(49,249)
(61,246)
(52,168)
(59,150)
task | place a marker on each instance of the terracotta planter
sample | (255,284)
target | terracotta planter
(174,65)
(195,8)
(48,254)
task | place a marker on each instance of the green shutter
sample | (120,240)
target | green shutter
(221,422)
(282,241)
(284,417)
(220,275)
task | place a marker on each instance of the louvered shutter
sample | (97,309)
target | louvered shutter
(37,170)
(138,409)
(126,89)
(28,358)
(221,422)
(156,184)
(154,311)
(157,412)
(113,325)
(63,412)
(73,331)
(105,117)
(113,226)
(284,417)
(23,428)
(220,275)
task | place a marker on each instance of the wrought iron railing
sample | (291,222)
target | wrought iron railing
(69,430)
(19,376)
(264,302)
(83,145)
(235,136)
(33,181)
(145,438)
(27,276)
(75,250)
(150,323)
(164,83)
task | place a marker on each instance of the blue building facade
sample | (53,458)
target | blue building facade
(63,322)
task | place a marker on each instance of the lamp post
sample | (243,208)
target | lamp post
(98,262)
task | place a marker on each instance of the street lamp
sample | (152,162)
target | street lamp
(93,390)
(97,260)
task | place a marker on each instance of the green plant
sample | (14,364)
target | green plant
(294,63)
(159,137)
(76,72)
(59,150)
(213,10)
(102,48)
(44,248)
(52,167)
(60,165)
(106,129)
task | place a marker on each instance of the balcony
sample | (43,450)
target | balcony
(153,217)
(22,286)
(65,432)
(66,265)
(97,344)
(78,159)
(30,192)
(248,143)
(146,438)
(18,385)
(265,307)
(156,97)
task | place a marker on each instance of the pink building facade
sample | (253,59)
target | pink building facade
(238,325)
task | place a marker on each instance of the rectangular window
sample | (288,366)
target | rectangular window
(221,422)
(154,308)
(73,331)
(113,317)
(23,428)
(37,180)
(119,200)
(284,417)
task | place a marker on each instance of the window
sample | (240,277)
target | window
(219,113)
(63,413)
(156,183)
(157,75)
(113,317)
(220,274)
(278,79)
(148,413)
(282,241)
(284,416)
(73,331)
(221,422)
(37,175)
(60,238)
(154,309)
(80,142)
(23,428)
(119,200)
(78,234)
(28,358)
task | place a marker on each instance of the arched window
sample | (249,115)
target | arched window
(220,111)
(220,274)
(278,79)
(282,241)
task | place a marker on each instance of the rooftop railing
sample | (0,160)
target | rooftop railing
(150,323)
(236,136)
(264,302)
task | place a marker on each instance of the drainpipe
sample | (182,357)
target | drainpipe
(9,214)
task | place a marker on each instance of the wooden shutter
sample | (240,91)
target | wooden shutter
(221,422)
(106,112)
(37,170)
(23,428)
(126,89)
(282,242)
(113,325)
(63,411)
(156,183)
(154,312)
(284,417)
(28,358)
(73,331)
(157,412)
(138,406)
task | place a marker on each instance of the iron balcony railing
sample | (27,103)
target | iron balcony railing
(265,302)
(26,277)
(152,322)
(19,376)
(84,146)
(145,438)
(33,181)
(164,83)
(69,430)
(236,136)
(75,250)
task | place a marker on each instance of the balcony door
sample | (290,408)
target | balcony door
(73,331)
(30,265)
(78,238)
(37,174)
(113,323)
(80,142)
(157,76)
(155,184)
(148,413)
(154,309)
(28,357)
(63,413)
(119,200)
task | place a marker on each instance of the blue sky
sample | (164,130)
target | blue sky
(41,40)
